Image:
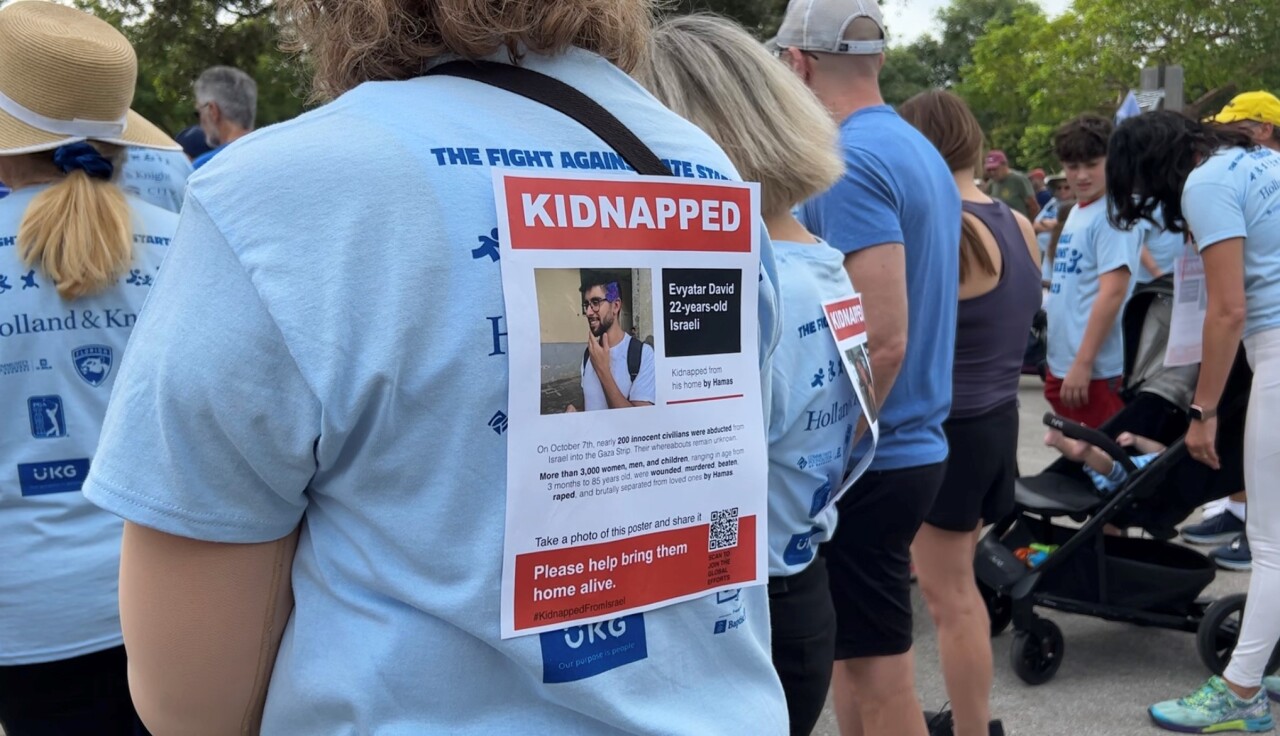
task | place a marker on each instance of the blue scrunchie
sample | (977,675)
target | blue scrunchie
(83,157)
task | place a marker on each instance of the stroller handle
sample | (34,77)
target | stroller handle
(1077,431)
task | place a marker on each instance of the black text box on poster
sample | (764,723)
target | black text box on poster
(702,311)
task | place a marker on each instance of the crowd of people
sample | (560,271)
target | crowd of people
(247,476)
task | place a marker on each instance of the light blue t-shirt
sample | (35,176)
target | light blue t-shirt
(58,362)
(339,355)
(1164,246)
(1236,194)
(1089,247)
(157,177)
(897,189)
(814,409)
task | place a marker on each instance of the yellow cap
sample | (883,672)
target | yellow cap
(1260,106)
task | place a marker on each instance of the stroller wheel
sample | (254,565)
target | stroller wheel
(1219,631)
(1037,652)
(999,609)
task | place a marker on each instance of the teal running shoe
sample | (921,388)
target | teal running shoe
(1272,686)
(1214,709)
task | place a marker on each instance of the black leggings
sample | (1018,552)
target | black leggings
(83,696)
(803,623)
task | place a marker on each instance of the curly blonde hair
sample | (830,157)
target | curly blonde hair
(353,41)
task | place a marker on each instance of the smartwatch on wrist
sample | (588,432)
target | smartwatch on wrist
(1200,414)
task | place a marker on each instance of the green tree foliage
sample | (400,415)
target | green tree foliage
(905,74)
(761,17)
(1028,76)
(177,39)
(963,23)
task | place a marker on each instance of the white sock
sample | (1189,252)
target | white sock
(1237,509)
(1213,508)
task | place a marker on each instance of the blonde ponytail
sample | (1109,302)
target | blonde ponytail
(79,232)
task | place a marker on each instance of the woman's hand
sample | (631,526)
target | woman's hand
(1202,440)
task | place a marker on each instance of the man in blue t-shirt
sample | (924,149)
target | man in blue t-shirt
(895,216)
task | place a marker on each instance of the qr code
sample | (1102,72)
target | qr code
(724,529)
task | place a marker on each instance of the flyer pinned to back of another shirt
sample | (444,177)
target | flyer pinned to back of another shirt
(849,330)
(1190,304)
(636,473)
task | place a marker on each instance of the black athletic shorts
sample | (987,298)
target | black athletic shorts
(869,559)
(981,469)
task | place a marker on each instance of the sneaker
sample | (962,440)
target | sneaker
(1214,709)
(1234,556)
(1272,686)
(1218,529)
(941,724)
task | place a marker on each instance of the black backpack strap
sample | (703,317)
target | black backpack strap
(561,97)
(635,352)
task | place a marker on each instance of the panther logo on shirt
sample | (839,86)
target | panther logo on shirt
(93,363)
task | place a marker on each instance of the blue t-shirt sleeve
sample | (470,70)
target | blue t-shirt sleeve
(211,429)
(1214,211)
(859,211)
(1115,248)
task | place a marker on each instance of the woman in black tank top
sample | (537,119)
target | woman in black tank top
(999,296)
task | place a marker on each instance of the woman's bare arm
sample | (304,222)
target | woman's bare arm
(202,622)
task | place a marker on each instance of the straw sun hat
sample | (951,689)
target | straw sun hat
(66,76)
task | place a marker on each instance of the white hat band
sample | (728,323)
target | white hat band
(74,128)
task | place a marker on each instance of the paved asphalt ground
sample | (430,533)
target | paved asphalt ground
(1110,672)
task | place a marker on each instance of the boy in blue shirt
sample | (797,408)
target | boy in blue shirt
(1091,282)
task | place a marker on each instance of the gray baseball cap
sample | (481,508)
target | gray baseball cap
(820,25)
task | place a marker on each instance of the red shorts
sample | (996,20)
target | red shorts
(1104,401)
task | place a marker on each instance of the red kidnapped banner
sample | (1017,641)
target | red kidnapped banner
(588,214)
(572,583)
(845,318)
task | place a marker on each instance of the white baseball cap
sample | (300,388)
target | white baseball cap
(820,25)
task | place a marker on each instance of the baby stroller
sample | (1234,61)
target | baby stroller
(1142,581)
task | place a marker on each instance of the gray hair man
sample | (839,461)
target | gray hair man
(893,214)
(226,104)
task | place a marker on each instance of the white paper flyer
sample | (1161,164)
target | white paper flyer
(636,459)
(1190,302)
(849,330)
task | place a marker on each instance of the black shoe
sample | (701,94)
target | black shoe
(939,723)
